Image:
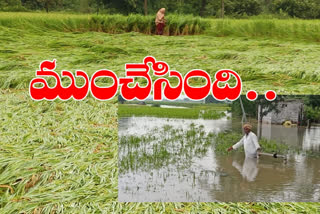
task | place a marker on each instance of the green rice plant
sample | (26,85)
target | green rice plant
(224,140)
(292,29)
(101,23)
(152,152)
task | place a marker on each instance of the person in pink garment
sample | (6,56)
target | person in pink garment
(160,21)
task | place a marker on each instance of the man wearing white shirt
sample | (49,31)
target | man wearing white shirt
(249,141)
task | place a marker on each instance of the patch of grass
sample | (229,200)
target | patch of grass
(127,110)
(198,104)
(212,114)
(224,140)
(140,110)
(272,146)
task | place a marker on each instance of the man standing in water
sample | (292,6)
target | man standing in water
(249,141)
(160,21)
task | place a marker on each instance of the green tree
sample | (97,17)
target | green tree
(298,8)
(9,3)
(218,8)
(312,108)
(251,107)
(48,5)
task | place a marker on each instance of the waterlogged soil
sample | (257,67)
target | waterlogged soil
(175,160)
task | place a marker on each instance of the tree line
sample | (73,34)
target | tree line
(311,106)
(307,9)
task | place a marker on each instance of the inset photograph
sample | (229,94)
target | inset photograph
(213,151)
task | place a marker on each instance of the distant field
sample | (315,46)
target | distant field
(205,112)
(62,156)
(292,29)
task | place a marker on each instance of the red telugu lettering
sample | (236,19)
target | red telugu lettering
(161,87)
(64,93)
(197,93)
(104,93)
(226,92)
(135,70)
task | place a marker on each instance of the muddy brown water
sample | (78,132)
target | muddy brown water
(212,177)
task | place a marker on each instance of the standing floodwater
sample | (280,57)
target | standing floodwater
(162,159)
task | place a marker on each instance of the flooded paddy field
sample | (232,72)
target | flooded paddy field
(166,159)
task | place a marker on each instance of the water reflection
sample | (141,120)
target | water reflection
(254,180)
(311,139)
(249,170)
(188,175)
(297,136)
